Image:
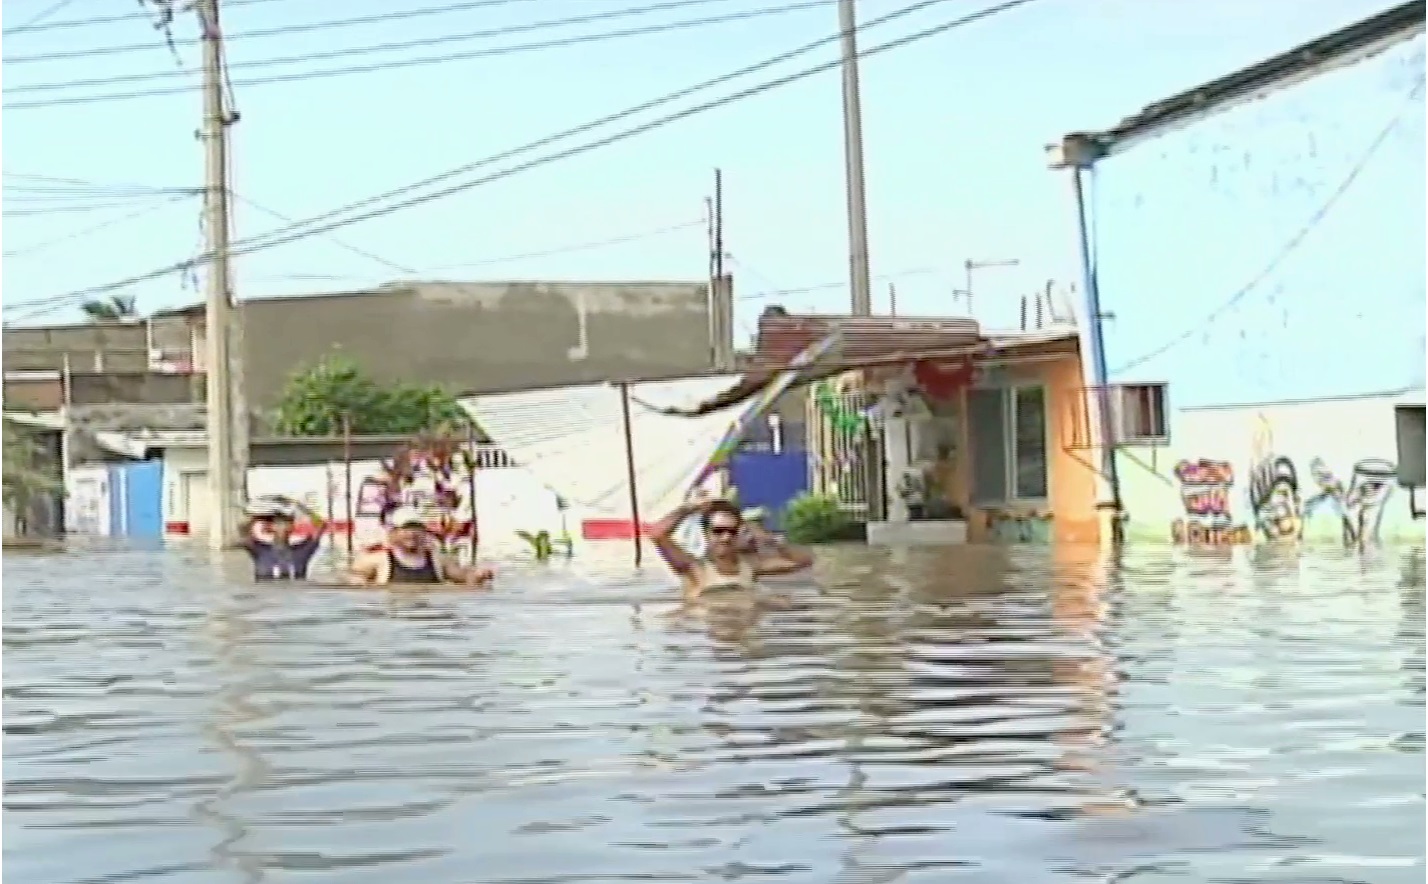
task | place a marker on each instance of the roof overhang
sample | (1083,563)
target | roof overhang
(1346,46)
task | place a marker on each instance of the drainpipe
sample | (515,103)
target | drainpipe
(1079,154)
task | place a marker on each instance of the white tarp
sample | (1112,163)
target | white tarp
(573,440)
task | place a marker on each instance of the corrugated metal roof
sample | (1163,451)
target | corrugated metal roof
(781,337)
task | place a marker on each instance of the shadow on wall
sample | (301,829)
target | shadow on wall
(1328,476)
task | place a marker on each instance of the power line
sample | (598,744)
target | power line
(41,16)
(282,237)
(1290,246)
(351,248)
(64,210)
(396,15)
(373,67)
(600,122)
(90,231)
(522,256)
(105,20)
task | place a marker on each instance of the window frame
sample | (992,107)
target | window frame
(1009,392)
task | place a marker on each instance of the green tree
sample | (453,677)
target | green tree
(24,478)
(318,397)
(116,308)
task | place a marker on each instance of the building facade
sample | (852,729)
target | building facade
(1261,254)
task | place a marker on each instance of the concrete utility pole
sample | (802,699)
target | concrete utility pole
(226,468)
(860,283)
(721,286)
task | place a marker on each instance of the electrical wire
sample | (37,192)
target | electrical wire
(660,122)
(606,120)
(273,213)
(64,210)
(374,67)
(1290,246)
(90,231)
(41,16)
(112,19)
(522,256)
(379,18)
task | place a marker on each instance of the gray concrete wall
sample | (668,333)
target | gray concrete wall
(94,346)
(483,337)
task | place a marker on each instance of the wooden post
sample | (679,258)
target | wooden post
(347,472)
(471,483)
(638,528)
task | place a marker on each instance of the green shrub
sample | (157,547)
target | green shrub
(815,518)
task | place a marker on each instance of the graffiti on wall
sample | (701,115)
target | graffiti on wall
(1358,503)
(1278,507)
(1206,494)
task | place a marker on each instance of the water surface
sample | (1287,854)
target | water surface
(1015,715)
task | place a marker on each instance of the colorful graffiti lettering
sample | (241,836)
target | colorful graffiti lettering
(1360,503)
(1205,490)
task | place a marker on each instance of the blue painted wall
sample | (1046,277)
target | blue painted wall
(769,479)
(1274,251)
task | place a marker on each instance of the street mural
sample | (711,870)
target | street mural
(1279,501)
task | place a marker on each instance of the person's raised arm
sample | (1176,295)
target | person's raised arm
(662,534)
(319,524)
(786,558)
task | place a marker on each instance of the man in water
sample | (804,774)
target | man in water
(730,560)
(411,557)
(267,536)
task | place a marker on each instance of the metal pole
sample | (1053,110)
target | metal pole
(218,314)
(972,266)
(347,483)
(1096,340)
(860,283)
(637,527)
(892,299)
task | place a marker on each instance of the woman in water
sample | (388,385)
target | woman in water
(736,553)
(411,557)
(267,536)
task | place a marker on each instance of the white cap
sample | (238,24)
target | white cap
(403,516)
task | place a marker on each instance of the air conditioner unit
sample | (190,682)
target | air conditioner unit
(1139,414)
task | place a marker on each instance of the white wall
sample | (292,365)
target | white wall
(1284,460)
(86,508)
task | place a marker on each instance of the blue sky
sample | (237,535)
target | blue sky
(954,129)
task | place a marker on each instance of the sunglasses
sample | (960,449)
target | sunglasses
(723,530)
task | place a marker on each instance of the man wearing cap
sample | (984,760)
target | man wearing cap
(411,558)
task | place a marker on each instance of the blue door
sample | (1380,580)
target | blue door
(769,479)
(136,500)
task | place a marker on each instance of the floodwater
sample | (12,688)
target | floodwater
(1013,715)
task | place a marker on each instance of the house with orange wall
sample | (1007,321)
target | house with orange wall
(975,437)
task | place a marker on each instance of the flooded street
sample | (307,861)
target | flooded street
(968,715)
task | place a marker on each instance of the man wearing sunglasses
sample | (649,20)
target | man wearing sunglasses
(736,553)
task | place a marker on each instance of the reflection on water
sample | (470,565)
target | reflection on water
(979,714)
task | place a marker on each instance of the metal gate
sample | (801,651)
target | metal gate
(846,451)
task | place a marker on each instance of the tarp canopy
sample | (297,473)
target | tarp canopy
(573,440)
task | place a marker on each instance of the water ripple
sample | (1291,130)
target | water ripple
(974,715)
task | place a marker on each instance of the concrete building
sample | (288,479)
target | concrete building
(1258,247)
(478,337)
